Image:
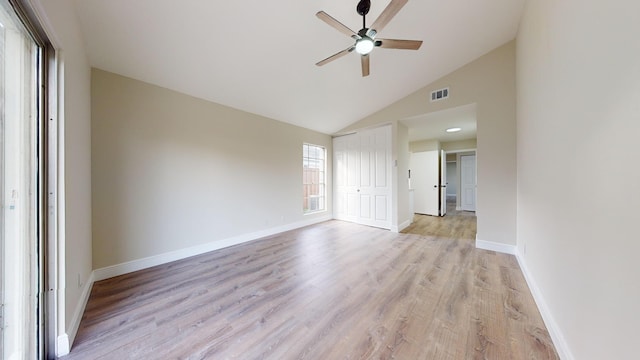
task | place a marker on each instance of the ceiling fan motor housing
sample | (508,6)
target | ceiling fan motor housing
(363,7)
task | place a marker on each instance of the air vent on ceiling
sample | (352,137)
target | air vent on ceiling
(441,94)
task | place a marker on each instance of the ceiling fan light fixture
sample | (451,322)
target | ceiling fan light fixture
(453,129)
(364,45)
(366,38)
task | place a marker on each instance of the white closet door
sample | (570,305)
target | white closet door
(362,171)
(375,177)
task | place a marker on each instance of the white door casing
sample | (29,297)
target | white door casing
(468,182)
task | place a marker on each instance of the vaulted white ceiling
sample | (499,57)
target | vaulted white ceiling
(434,125)
(259,56)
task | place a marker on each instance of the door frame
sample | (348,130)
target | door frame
(475,173)
(459,153)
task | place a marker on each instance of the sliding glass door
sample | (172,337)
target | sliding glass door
(21,109)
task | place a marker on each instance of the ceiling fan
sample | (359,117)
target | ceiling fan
(366,37)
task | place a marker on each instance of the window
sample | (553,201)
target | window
(314,191)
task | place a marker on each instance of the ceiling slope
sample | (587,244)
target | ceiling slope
(259,56)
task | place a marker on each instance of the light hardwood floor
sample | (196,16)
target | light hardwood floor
(335,290)
(456,224)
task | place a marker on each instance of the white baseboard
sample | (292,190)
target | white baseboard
(494,246)
(552,326)
(18,355)
(549,321)
(63,345)
(139,264)
(64,341)
(400,227)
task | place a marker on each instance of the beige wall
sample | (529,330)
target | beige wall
(459,145)
(424,145)
(171,171)
(579,93)
(74,194)
(489,82)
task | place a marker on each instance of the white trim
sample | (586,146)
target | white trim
(494,246)
(549,321)
(472,150)
(64,341)
(62,345)
(351,132)
(17,355)
(139,264)
(402,226)
(43,19)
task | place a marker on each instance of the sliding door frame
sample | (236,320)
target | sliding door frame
(46,179)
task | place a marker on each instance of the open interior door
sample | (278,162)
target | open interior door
(425,180)
(443,183)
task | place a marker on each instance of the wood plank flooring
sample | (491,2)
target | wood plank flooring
(335,290)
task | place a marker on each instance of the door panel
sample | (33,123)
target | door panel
(468,175)
(352,206)
(363,177)
(381,208)
(382,160)
(352,166)
(443,183)
(381,176)
(425,182)
(365,207)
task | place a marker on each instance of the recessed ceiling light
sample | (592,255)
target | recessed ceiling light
(453,129)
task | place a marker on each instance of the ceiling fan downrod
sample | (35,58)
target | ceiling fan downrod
(363,8)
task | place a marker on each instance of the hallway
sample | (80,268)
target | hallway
(455,224)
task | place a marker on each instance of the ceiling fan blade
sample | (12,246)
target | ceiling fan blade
(336,56)
(335,24)
(399,44)
(364,60)
(387,14)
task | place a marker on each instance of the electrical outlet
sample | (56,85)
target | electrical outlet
(79,281)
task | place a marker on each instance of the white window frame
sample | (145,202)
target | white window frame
(307,158)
